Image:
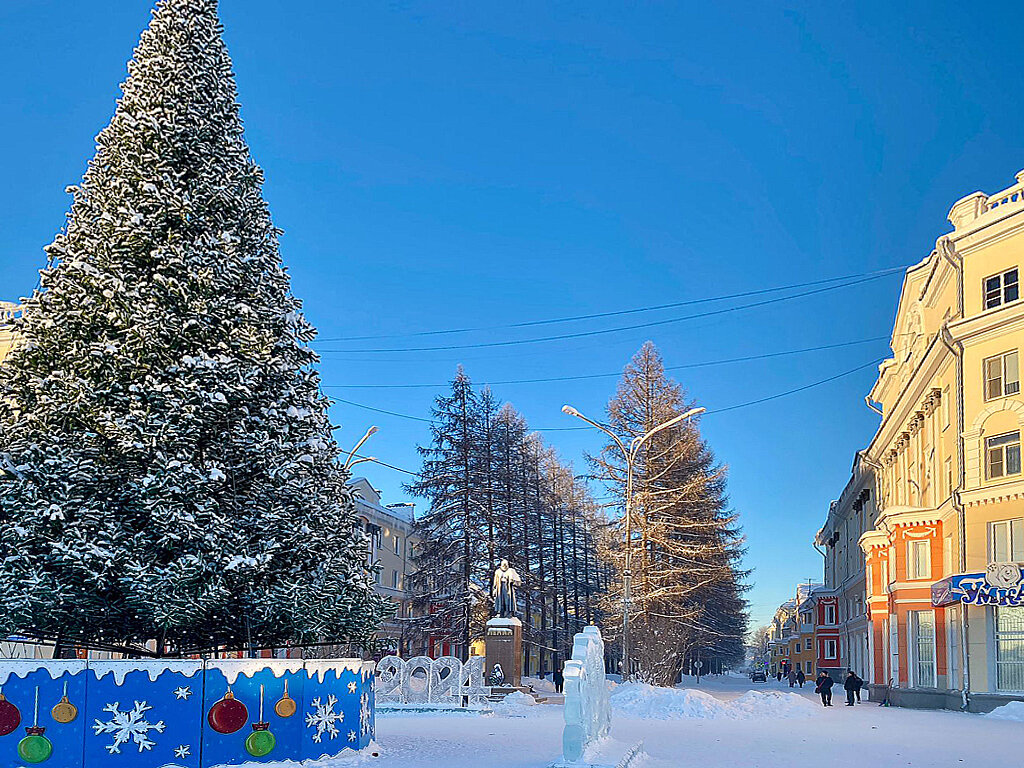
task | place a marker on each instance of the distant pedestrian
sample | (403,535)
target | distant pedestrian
(823,686)
(558,679)
(801,678)
(858,683)
(791,677)
(850,686)
(779,675)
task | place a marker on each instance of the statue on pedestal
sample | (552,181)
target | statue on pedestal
(503,590)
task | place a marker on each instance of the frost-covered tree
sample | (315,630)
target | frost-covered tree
(687,591)
(451,583)
(169,468)
(495,491)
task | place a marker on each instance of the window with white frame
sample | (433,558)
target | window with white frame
(830,614)
(398,545)
(810,667)
(1002,455)
(1002,375)
(394,579)
(919,560)
(922,646)
(830,649)
(1006,541)
(1009,641)
(1001,289)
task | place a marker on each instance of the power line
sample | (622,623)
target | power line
(603,331)
(876,361)
(582,377)
(615,313)
(747,404)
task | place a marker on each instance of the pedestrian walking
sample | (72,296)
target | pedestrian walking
(823,687)
(779,675)
(801,678)
(558,679)
(858,683)
(791,677)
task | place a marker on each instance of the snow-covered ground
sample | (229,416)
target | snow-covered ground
(719,725)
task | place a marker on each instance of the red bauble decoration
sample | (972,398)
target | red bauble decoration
(228,715)
(10,717)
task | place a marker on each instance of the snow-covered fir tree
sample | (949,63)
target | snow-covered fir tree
(169,467)
(495,491)
(687,591)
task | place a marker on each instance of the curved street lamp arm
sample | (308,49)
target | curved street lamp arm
(352,454)
(568,409)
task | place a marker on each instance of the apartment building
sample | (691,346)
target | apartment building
(8,312)
(845,588)
(390,529)
(939,487)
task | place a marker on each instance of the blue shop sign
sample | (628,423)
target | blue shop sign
(1000,584)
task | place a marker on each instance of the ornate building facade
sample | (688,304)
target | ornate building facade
(941,479)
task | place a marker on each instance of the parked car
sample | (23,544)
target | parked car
(758,676)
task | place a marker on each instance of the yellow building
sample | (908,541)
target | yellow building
(7,314)
(943,553)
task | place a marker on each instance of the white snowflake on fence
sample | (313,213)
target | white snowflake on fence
(365,716)
(324,719)
(128,725)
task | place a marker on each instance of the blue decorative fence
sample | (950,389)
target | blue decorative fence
(182,714)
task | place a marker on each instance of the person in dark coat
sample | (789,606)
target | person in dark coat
(791,676)
(558,679)
(859,684)
(801,678)
(823,686)
(850,686)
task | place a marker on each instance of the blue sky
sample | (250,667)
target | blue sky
(440,165)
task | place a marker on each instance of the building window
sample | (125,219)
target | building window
(398,545)
(810,667)
(394,579)
(1001,289)
(947,555)
(1009,626)
(1002,455)
(830,649)
(1006,541)
(919,560)
(1002,377)
(922,644)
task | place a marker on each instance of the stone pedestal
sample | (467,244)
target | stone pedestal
(504,646)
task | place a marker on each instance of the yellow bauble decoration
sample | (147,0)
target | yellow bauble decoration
(285,706)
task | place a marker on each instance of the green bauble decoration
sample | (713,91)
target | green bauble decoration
(260,743)
(35,748)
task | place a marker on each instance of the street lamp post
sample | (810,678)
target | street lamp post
(629,454)
(352,459)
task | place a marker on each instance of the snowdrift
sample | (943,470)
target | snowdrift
(515,704)
(651,703)
(1013,710)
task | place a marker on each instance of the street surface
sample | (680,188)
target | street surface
(863,735)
